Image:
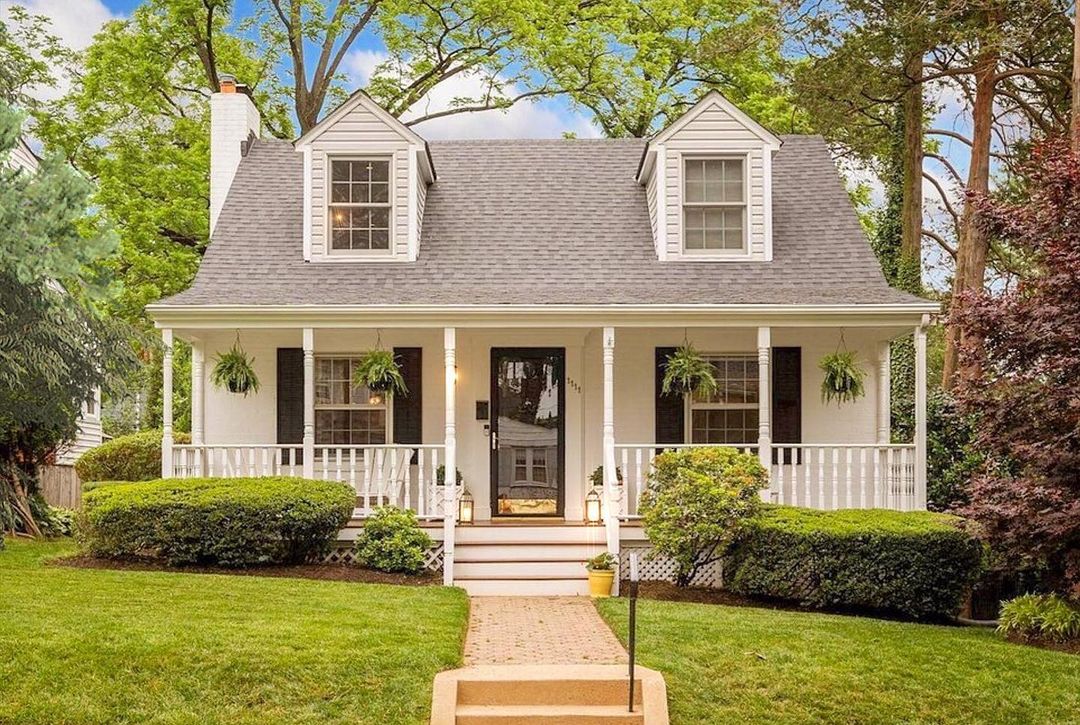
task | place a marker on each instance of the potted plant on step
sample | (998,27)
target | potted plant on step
(235,371)
(596,478)
(601,574)
(687,372)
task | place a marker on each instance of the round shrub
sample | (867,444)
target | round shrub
(393,541)
(225,521)
(134,457)
(697,501)
(917,563)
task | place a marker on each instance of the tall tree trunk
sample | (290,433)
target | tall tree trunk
(974,244)
(1074,120)
(910,262)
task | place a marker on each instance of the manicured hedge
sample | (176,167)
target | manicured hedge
(135,457)
(226,521)
(918,564)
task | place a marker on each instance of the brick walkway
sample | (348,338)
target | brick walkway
(538,630)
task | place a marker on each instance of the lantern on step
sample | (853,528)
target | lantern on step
(465,508)
(593,512)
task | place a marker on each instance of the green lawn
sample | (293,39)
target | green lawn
(97,646)
(735,664)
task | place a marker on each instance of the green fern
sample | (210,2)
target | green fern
(844,379)
(687,371)
(234,371)
(378,371)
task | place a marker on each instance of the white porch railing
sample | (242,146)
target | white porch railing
(821,476)
(382,475)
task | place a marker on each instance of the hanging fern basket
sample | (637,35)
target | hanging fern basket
(844,379)
(686,371)
(378,370)
(235,371)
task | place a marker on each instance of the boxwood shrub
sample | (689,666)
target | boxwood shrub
(225,521)
(134,457)
(917,564)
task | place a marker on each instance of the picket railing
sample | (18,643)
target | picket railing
(382,475)
(821,476)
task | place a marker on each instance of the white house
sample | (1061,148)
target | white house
(532,291)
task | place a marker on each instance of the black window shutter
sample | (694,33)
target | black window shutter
(408,408)
(669,408)
(290,400)
(786,399)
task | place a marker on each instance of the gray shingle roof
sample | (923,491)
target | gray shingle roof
(539,222)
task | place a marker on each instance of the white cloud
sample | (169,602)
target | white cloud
(75,22)
(525,119)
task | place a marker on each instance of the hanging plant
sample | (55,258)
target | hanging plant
(687,371)
(844,378)
(378,370)
(235,371)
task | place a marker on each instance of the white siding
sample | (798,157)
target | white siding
(89,435)
(421,199)
(650,195)
(714,131)
(22,158)
(360,133)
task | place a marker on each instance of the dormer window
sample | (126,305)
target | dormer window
(360,204)
(714,205)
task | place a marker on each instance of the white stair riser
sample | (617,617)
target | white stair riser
(559,693)
(521,569)
(524,587)
(526,552)
(530,534)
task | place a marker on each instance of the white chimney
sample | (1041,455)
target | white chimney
(233,121)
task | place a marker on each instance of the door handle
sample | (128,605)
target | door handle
(494,440)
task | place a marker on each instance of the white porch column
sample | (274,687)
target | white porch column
(166,404)
(450,459)
(309,403)
(920,415)
(611,481)
(764,353)
(198,357)
(884,373)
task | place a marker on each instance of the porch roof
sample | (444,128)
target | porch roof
(538,222)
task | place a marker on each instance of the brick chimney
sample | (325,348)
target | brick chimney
(234,120)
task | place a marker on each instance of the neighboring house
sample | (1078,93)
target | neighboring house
(89,433)
(532,290)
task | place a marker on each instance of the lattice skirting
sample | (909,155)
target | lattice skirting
(345,554)
(662,568)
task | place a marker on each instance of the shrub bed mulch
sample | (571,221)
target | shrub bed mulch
(1071,647)
(326,572)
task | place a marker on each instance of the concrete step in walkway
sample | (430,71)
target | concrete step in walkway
(548,695)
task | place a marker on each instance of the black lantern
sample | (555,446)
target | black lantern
(593,508)
(465,508)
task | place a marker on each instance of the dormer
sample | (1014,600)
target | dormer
(708,179)
(366,176)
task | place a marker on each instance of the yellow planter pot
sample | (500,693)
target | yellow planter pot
(600,581)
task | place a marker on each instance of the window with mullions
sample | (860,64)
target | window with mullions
(360,205)
(730,415)
(346,414)
(714,205)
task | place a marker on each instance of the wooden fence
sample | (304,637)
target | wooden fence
(60,486)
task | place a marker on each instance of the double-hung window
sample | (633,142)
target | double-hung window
(360,205)
(714,205)
(346,414)
(730,415)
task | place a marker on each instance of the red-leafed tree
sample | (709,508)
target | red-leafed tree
(1022,375)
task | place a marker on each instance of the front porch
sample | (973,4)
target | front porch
(527,414)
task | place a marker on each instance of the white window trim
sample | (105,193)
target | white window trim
(388,404)
(713,254)
(328,246)
(531,464)
(689,405)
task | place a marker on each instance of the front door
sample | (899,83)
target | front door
(527,431)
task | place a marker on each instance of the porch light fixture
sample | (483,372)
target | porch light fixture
(465,508)
(593,513)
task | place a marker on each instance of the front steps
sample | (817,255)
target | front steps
(548,695)
(522,559)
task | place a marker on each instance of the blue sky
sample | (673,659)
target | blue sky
(77,20)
